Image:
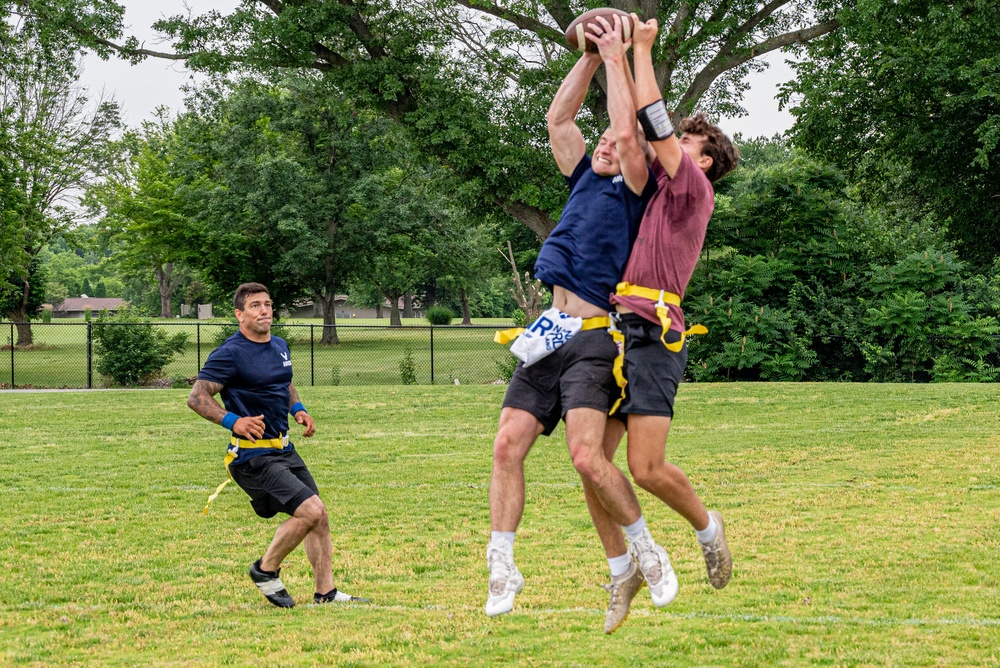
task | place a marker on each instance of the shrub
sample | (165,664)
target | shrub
(46,315)
(86,314)
(131,351)
(505,363)
(408,368)
(439,315)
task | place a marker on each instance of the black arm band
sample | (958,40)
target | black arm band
(655,121)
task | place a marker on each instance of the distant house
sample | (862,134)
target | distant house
(74,306)
(343,308)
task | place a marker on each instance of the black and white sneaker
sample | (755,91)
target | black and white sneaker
(271,586)
(335,596)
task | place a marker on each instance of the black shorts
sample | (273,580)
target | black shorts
(276,483)
(577,375)
(653,372)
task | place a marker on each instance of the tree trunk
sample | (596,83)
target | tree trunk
(166,286)
(430,295)
(20,316)
(394,320)
(466,318)
(329,320)
(407,305)
(378,310)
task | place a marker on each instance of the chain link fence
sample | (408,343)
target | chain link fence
(62,355)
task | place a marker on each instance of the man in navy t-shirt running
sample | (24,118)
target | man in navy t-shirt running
(582,260)
(252,370)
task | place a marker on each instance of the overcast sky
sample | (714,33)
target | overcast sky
(143,87)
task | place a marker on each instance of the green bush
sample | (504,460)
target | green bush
(46,315)
(131,351)
(408,368)
(505,364)
(440,315)
(86,314)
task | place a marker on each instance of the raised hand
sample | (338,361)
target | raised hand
(643,32)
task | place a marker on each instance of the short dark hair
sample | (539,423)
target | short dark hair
(245,290)
(720,148)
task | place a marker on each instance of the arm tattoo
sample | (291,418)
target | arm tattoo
(202,401)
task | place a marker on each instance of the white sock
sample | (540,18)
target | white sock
(636,529)
(619,565)
(707,535)
(502,535)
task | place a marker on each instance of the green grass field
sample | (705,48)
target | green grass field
(864,522)
(369,353)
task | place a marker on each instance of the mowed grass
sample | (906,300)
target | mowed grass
(367,354)
(864,522)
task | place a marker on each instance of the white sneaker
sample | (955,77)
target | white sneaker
(505,580)
(655,566)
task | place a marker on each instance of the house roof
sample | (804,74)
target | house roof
(95,304)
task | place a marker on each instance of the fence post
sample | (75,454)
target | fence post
(12,355)
(197,327)
(312,357)
(432,353)
(90,355)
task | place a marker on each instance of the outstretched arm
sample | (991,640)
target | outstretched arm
(621,106)
(668,149)
(202,401)
(300,415)
(564,135)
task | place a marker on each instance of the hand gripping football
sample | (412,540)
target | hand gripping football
(575,32)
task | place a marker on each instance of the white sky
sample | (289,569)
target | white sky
(141,88)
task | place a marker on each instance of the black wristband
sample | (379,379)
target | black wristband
(655,121)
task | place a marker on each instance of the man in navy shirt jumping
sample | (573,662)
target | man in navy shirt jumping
(252,371)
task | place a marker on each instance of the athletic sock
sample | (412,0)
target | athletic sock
(502,535)
(636,529)
(707,535)
(273,574)
(620,565)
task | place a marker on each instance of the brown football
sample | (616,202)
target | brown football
(575,32)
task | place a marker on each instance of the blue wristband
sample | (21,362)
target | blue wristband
(296,407)
(230,420)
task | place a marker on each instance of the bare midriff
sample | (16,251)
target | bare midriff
(571,304)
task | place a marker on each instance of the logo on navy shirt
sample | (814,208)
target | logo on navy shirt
(618,179)
(287,361)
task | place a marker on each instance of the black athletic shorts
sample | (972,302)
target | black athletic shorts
(653,372)
(276,483)
(577,375)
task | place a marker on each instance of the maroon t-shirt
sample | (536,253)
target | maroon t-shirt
(670,238)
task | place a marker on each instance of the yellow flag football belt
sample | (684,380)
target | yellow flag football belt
(662,299)
(505,336)
(233,453)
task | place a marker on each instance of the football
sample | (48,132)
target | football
(575,32)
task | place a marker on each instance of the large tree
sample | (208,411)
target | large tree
(906,99)
(471,78)
(56,144)
(144,211)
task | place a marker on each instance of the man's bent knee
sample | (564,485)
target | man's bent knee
(312,511)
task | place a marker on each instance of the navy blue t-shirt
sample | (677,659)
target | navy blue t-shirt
(255,379)
(587,252)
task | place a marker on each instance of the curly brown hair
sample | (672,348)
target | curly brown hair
(724,154)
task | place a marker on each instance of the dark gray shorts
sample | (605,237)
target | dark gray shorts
(577,375)
(653,372)
(276,483)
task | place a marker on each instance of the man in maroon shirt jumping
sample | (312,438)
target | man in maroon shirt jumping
(648,299)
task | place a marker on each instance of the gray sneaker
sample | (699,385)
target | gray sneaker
(656,569)
(718,560)
(623,589)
